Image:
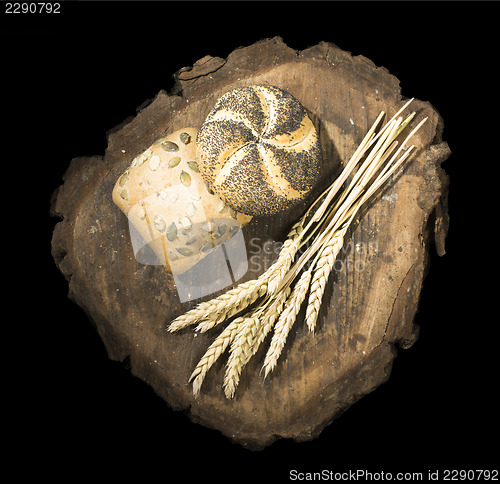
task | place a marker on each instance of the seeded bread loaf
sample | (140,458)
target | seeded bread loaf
(167,202)
(258,150)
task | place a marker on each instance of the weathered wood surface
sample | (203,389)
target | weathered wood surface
(371,298)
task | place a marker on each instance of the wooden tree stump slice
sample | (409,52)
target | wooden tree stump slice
(372,296)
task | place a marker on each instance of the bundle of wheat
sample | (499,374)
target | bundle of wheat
(274,299)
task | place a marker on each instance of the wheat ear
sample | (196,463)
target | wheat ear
(250,334)
(269,317)
(236,303)
(285,259)
(285,321)
(240,353)
(322,271)
(213,352)
(213,312)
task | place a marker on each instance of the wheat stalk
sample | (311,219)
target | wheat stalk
(211,313)
(347,211)
(285,322)
(240,353)
(320,276)
(249,339)
(224,340)
(238,300)
(269,317)
(213,352)
(285,257)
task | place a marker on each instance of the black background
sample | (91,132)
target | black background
(68,79)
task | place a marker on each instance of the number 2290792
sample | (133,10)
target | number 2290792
(32,7)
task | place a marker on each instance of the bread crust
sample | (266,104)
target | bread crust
(258,150)
(166,200)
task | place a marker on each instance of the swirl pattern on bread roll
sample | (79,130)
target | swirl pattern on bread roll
(258,150)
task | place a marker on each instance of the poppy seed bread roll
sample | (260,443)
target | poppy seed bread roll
(258,150)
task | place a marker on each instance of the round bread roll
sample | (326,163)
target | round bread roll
(258,150)
(169,205)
